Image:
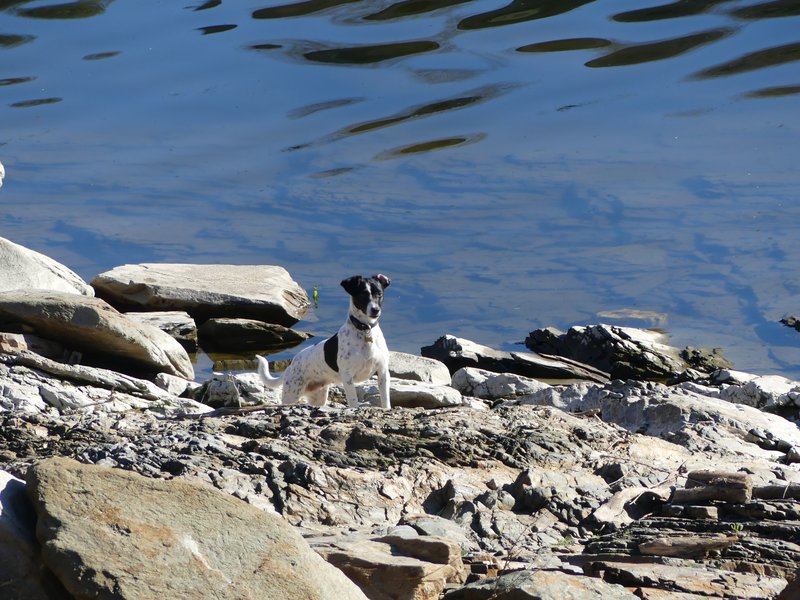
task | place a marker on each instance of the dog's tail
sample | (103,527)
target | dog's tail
(263,370)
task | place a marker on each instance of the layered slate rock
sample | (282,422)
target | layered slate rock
(457,353)
(112,534)
(91,327)
(262,292)
(418,368)
(22,268)
(178,324)
(625,352)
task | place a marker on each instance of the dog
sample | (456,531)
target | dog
(353,354)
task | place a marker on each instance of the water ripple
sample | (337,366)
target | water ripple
(520,11)
(298,9)
(80,9)
(369,54)
(673,10)
(641,53)
(760,59)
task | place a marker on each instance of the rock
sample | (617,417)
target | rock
(236,389)
(395,567)
(14,343)
(108,533)
(25,269)
(673,413)
(624,352)
(769,392)
(178,324)
(261,292)
(23,576)
(411,394)
(792,321)
(418,368)
(32,383)
(103,335)
(457,353)
(541,585)
(240,335)
(486,384)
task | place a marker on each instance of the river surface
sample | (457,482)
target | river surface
(510,165)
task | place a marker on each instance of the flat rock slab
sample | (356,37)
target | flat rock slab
(113,534)
(178,324)
(92,327)
(418,368)
(262,292)
(22,268)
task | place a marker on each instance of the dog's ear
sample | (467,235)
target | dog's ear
(383,280)
(350,284)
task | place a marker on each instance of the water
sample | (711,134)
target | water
(509,165)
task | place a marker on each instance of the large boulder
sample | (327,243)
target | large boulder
(247,335)
(22,268)
(113,534)
(90,326)
(262,292)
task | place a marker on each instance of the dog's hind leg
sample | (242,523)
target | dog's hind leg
(318,397)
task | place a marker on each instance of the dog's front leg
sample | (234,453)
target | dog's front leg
(350,391)
(383,386)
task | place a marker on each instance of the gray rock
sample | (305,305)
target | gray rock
(242,335)
(792,321)
(486,384)
(418,368)
(178,324)
(108,533)
(768,392)
(23,576)
(261,292)
(25,269)
(624,352)
(92,327)
(457,353)
(411,394)
(541,585)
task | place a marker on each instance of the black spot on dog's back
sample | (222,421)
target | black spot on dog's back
(331,350)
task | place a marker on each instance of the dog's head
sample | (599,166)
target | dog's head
(366,294)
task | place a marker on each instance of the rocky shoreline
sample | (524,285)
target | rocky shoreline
(603,462)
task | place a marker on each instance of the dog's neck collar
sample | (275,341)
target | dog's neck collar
(360,325)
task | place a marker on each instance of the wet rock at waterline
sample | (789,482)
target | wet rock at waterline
(263,292)
(242,335)
(22,268)
(457,353)
(95,330)
(625,352)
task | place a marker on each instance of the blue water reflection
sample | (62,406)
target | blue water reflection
(512,165)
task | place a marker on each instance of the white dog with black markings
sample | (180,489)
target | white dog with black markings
(352,355)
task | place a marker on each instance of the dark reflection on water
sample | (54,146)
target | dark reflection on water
(409,8)
(431,145)
(11,40)
(36,102)
(209,4)
(298,9)
(775,92)
(15,80)
(664,49)
(754,60)
(674,10)
(565,45)
(305,111)
(101,55)
(211,29)
(520,11)
(364,55)
(81,9)
(768,10)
